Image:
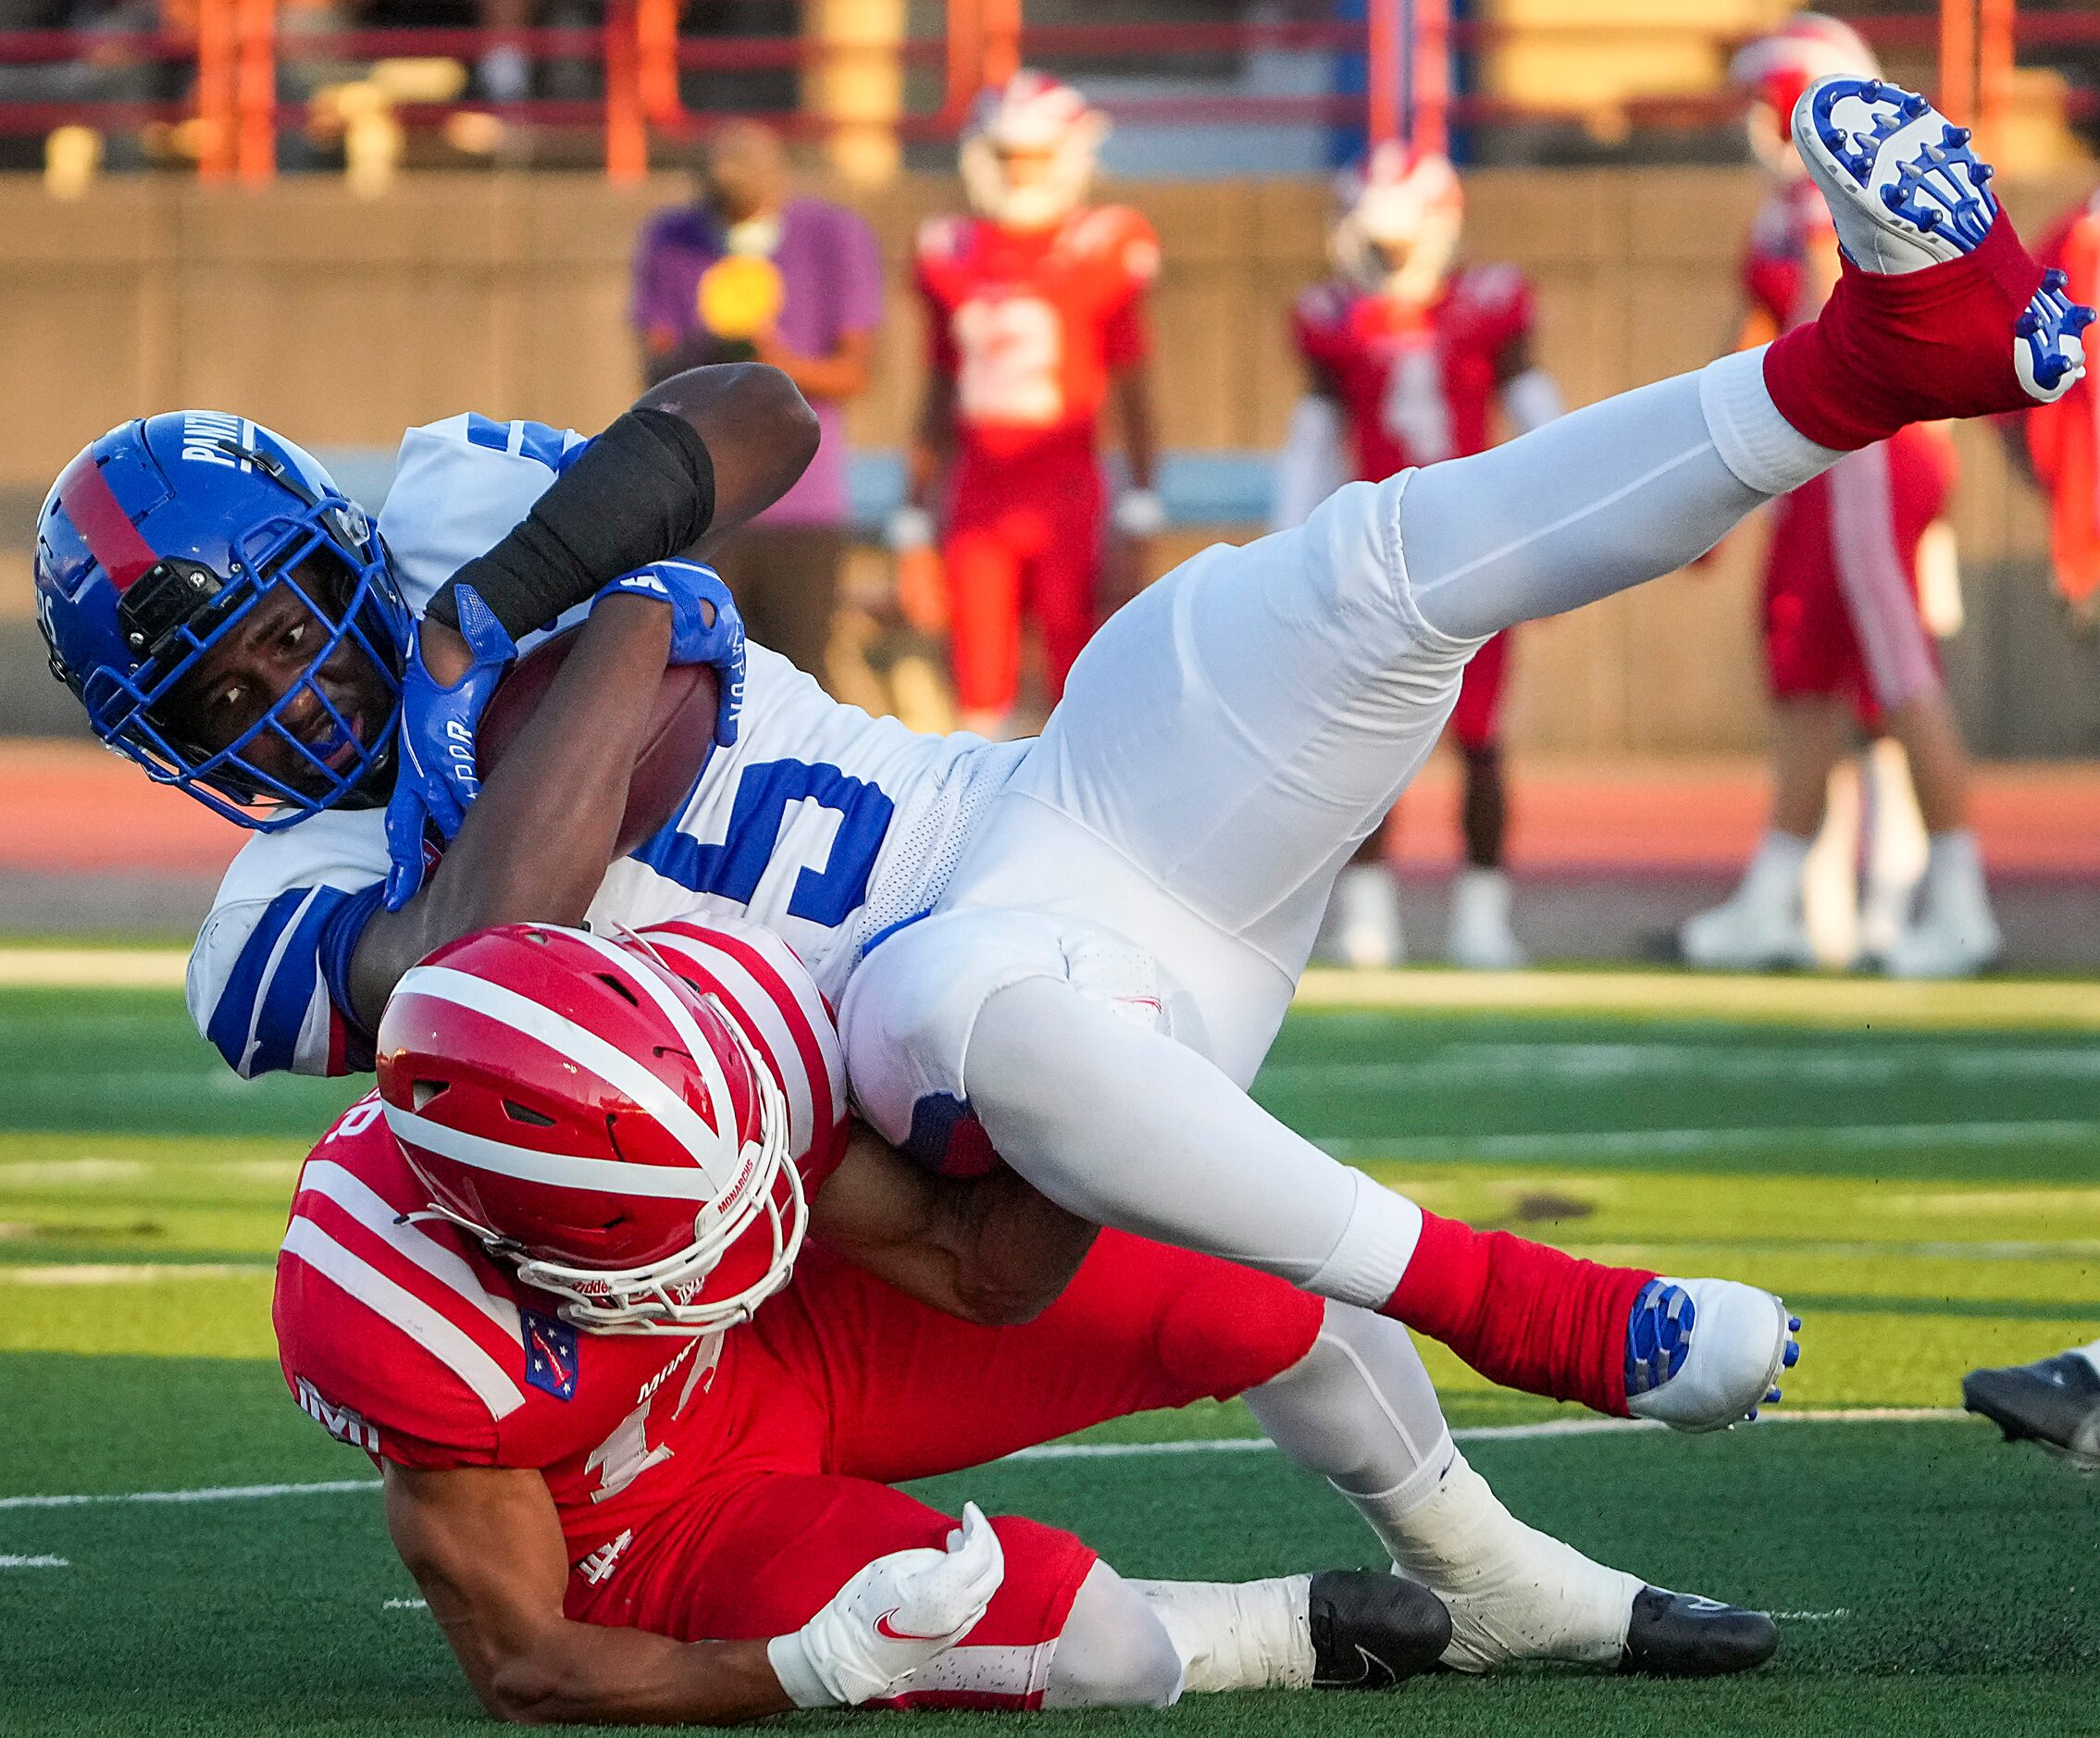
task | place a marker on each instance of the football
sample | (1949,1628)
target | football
(675,747)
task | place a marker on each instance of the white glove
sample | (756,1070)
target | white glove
(909,528)
(898,1612)
(1139,513)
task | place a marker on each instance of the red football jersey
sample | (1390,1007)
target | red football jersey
(1030,325)
(1789,224)
(408,1340)
(1416,386)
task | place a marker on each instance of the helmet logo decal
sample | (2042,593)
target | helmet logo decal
(202,430)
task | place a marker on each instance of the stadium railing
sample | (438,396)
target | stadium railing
(223,101)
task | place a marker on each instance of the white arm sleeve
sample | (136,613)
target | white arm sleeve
(1310,464)
(1532,400)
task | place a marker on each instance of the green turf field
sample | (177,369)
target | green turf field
(1928,1196)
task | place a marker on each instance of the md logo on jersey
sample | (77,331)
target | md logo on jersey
(550,1354)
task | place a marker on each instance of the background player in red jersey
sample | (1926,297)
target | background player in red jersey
(1845,637)
(1035,320)
(626,1140)
(1408,355)
(2061,443)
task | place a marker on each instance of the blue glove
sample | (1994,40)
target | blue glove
(705,628)
(434,776)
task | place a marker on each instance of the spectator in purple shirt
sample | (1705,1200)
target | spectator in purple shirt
(748,270)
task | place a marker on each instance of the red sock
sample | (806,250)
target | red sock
(1916,346)
(1523,1315)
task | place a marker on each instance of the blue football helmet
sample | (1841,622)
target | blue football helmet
(155,543)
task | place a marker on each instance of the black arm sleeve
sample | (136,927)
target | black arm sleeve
(641,492)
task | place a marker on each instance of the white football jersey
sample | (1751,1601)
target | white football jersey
(824,825)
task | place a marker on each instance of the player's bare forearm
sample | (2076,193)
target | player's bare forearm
(1140,425)
(842,374)
(933,440)
(536,841)
(485,1545)
(760,431)
(992,1249)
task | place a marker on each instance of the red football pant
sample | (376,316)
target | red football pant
(1841,611)
(1024,537)
(1476,720)
(841,1385)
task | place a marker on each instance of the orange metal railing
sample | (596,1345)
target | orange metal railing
(233,116)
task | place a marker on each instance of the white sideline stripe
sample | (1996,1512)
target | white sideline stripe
(365,1204)
(445,1341)
(124,1272)
(1864,1137)
(573,1042)
(2044,1004)
(1087,1451)
(34,1562)
(93,968)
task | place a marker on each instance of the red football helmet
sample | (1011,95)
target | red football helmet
(1401,213)
(597,1121)
(1028,153)
(1774,71)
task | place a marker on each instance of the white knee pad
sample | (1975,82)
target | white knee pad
(1114,1650)
(913,1003)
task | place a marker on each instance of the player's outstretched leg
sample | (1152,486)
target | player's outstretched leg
(1358,1408)
(1128,1127)
(1939,313)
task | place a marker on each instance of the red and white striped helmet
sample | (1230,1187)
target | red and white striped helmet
(1045,122)
(1402,211)
(602,1123)
(1773,71)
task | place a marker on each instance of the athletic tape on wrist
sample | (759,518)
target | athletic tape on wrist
(791,1660)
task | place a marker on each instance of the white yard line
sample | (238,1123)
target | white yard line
(2036,1005)
(2002,1004)
(1643,1142)
(211,1493)
(34,1562)
(124,1272)
(1548,1429)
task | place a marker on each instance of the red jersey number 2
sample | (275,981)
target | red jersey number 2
(1013,352)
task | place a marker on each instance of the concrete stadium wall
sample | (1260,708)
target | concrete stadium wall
(342,322)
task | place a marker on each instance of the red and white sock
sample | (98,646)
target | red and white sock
(1917,346)
(1523,1315)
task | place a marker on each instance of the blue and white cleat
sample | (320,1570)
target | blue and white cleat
(1704,1353)
(1907,193)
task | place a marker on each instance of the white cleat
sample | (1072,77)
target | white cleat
(1746,934)
(1939,945)
(1954,934)
(1905,193)
(1704,1353)
(1362,926)
(1481,938)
